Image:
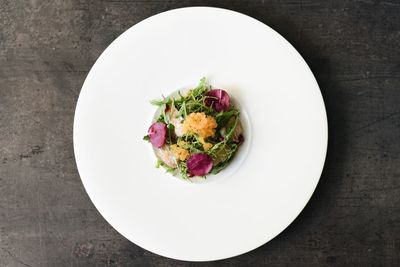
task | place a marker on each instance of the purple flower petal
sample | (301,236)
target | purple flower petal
(157,133)
(199,164)
(218,99)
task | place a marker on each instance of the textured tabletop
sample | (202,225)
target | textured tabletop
(46,51)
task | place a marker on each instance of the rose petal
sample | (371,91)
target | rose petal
(199,164)
(218,99)
(158,133)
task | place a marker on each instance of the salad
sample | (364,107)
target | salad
(196,134)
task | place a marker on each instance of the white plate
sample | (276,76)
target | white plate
(250,204)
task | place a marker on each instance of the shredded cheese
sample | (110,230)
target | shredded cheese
(200,124)
(182,143)
(179,153)
(205,144)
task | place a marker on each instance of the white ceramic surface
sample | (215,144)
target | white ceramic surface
(224,217)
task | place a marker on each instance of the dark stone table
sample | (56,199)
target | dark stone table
(46,51)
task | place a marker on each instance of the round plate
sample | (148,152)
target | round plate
(223,217)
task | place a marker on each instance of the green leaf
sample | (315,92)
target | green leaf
(165,117)
(159,102)
(183,170)
(224,157)
(165,166)
(223,118)
(171,133)
(146,138)
(182,111)
(201,89)
(231,131)
(158,163)
(160,118)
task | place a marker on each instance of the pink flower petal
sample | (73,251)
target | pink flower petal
(218,99)
(157,133)
(199,164)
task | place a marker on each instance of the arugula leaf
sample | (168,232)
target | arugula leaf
(166,119)
(227,155)
(182,110)
(223,118)
(221,145)
(160,118)
(160,102)
(201,89)
(165,166)
(183,170)
(231,131)
(171,133)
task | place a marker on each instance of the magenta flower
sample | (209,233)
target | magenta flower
(218,99)
(199,164)
(157,134)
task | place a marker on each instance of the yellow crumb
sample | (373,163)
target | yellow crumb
(182,143)
(200,124)
(205,144)
(179,153)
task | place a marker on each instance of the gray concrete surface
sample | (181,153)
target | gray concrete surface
(47,49)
